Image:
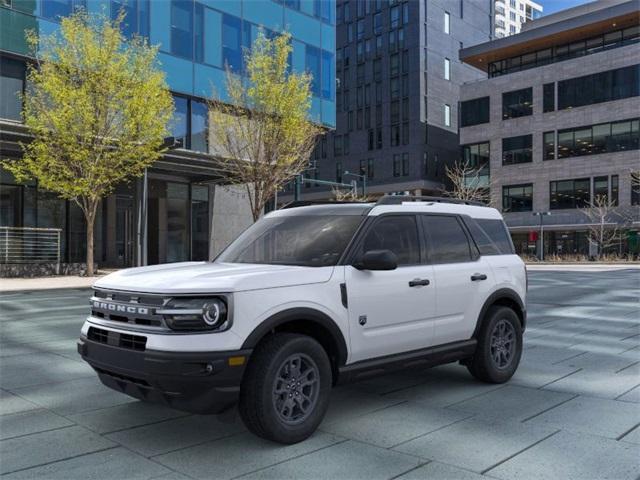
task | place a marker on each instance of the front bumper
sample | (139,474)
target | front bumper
(197,382)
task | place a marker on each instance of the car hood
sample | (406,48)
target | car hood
(207,277)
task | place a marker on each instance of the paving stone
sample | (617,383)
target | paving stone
(239,455)
(40,448)
(128,415)
(444,392)
(572,456)
(632,395)
(390,383)
(596,384)
(394,425)
(33,421)
(117,463)
(10,403)
(74,396)
(440,471)
(475,444)
(163,437)
(353,460)
(607,418)
(535,376)
(514,403)
(540,354)
(632,437)
(598,362)
(347,403)
(35,369)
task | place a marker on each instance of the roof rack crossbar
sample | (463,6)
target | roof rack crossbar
(398,199)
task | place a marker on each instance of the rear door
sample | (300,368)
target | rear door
(462,278)
(391,311)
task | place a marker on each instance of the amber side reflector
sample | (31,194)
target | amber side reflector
(236,361)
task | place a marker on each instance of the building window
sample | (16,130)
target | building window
(394,86)
(447,115)
(602,138)
(12,78)
(231,42)
(517,103)
(377,23)
(370,170)
(447,69)
(395,135)
(198,128)
(337,145)
(549,97)
(345,144)
(516,149)
(55,9)
(312,64)
(405,133)
(570,193)
(476,156)
(396,166)
(182,28)
(328,75)
(474,112)
(136,20)
(394,65)
(549,145)
(339,172)
(394,17)
(635,188)
(517,198)
(447,23)
(379,138)
(405,164)
(599,87)
(371,140)
(180,122)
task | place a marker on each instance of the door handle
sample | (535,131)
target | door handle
(478,276)
(418,282)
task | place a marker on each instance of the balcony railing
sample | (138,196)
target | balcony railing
(30,245)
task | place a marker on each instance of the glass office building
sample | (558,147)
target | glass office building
(166,216)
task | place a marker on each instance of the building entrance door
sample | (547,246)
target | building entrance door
(125,231)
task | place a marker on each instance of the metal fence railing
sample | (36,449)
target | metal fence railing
(30,245)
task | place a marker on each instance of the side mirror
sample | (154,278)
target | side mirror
(377,260)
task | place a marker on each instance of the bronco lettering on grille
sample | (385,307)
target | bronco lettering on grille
(117,307)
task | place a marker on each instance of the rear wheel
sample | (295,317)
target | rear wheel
(499,346)
(286,388)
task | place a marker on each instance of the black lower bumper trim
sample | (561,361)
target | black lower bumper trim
(197,382)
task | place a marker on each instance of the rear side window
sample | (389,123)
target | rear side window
(483,242)
(497,232)
(447,240)
(396,233)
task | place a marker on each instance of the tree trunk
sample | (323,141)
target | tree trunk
(90,224)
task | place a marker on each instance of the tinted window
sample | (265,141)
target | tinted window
(497,232)
(517,103)
(396,233)
(516,149)
(447,241)
(485,245)
(474,112)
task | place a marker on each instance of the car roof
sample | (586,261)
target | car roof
(373,209)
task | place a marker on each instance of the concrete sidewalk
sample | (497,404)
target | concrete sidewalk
(48,283)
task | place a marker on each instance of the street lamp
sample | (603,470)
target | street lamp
(363,178)
(541,215)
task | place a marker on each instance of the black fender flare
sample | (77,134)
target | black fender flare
(502,294)
(297,314)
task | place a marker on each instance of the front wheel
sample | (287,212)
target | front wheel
(499,346)
(285,392)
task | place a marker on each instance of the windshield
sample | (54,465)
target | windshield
(310,241)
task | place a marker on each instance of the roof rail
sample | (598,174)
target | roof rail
(307,203)
(398,199)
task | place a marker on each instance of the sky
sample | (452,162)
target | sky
(552,6)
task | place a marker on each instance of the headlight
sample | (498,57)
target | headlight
(196,314)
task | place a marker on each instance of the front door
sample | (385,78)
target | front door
(124,231)
(391,311)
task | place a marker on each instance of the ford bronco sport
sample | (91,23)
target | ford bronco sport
(308,297)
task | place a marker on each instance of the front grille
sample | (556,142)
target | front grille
(117,339)
(130,308)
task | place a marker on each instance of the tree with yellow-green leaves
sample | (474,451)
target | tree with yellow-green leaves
(98,108)
(262,132)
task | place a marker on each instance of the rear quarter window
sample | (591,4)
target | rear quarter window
(491,236)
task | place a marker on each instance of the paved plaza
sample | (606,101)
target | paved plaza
(572,411)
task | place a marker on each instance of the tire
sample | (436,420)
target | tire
(270,405)
(498,362)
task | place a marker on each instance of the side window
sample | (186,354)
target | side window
(485,245)
(448,242)
(396,233)
(497,232)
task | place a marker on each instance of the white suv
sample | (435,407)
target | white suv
(308,297)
